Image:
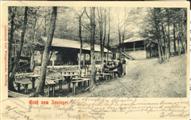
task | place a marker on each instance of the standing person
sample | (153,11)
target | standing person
(114,68)
(124,66)
(119,67)
(105,67)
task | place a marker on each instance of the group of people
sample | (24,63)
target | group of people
(119,67)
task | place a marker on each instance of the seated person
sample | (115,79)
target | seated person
(105,68)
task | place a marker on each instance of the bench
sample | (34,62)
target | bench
(50,84)
(105,76)
(16,94)
(58,81)
(81,80)
(24,82)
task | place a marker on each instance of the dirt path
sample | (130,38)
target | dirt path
(146,78)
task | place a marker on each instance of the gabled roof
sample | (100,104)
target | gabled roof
(67,43)
(134,39)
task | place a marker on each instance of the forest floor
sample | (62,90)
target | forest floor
(146,78)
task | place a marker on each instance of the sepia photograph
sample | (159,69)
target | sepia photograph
(133,52)
(92,60)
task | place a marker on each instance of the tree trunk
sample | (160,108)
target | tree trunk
(41,57)
(101,38)
(45,34)
(16,61)
(179,50)
(32,63)
(119,35)
(11,36)
(166,54)
(123,39)
(81,44)
(182,43)
(93,25)
(47,51)
(185,28)
(160,50)
(174,37)
(101,31)
(158,35)
(180,39)
(105,32)
(169,46)
(108,36)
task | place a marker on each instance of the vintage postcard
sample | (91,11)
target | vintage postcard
(95,60)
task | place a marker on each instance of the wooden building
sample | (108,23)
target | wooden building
(133,48)
(66,51)
(151,49)
(139,48)
(133,44)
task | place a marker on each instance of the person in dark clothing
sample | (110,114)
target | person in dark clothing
(124,66)
(119,68)
(105,68)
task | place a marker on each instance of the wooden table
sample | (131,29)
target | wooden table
(68,78)
(79,80)
(24,82)
(50,84)
(112,73)
(59,82)
(115,72)
(33,79)
(105,75)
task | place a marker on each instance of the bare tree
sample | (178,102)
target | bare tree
(105,30)
(119,36)
(80,37)
(162,21)
(47,51)
(16,61)
(11,36)
(174,37)
(101,31)
(108,34)
(122,24)
(168,31)
(92,43)
(32,63)
(158,34)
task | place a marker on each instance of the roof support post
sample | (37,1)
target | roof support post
(133,46)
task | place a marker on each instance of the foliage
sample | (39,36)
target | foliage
(166,27)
